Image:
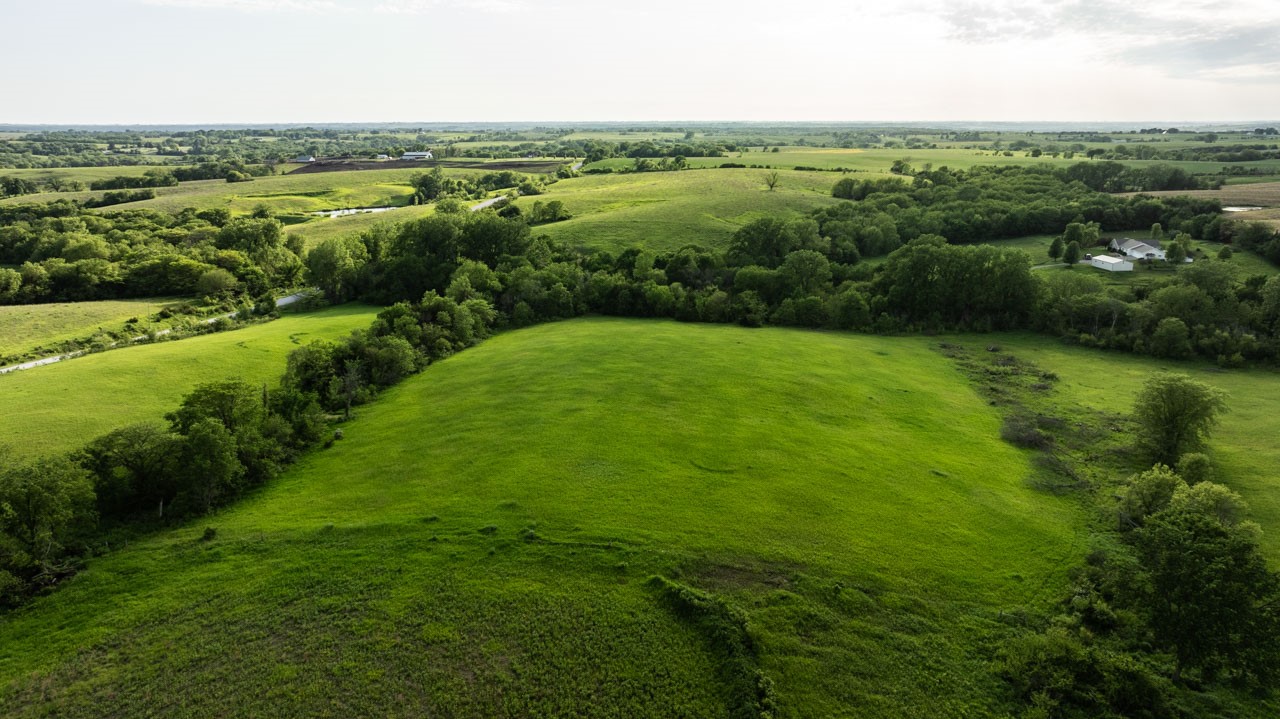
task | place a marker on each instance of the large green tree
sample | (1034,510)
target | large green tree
(1175,414)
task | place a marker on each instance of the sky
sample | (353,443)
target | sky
(313,61)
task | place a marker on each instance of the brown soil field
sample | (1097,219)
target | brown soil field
(1261,194)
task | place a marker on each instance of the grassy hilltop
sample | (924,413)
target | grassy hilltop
(480,544)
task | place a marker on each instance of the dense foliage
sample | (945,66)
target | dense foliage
(62,253)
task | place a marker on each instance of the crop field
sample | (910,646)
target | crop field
(881,159)
(59,407)
(667,210)
(1259,194)
(1244,445)
(25,329)
(481,543)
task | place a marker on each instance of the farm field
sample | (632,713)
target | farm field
(481,544)
(24,329)
(667,210)
(1260,194)
(881,159)
(1243,446)
(83,174)
(61,406)
(291,194)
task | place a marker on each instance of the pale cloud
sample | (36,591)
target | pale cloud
(254,6)
(341,7)
(1227,42)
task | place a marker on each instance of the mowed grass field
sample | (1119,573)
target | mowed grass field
(480,544)
(1243,446)
(59,407)
(667,210)
(26,328)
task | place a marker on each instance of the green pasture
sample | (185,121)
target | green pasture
(667,210)
(286,194)
(318,229)
(83,174)
(24,329)
(480,541)
(1243,447)
(61,406)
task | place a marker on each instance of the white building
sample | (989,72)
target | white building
(1111,264)
(1138,249)
(418,156)
(304,158)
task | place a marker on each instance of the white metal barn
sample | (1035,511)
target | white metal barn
(1111,264)
(417,156)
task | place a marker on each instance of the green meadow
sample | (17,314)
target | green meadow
(1243,446)
(667,210)
(481,541)
(286,194)
(59,407)
(26,329)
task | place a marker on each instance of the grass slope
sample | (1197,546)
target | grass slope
(850,493)
(664,210)
(24,328)
(59,407)
(1243,446)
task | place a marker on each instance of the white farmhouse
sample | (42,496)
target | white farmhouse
(418,156)
(1111,264)
(1138,249)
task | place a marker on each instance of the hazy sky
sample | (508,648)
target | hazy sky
(289,61)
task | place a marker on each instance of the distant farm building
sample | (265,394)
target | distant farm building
(418,156)
(304,158)
(1138,249)
(1111,264)
(382,157)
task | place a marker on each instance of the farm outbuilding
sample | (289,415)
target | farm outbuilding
(304,158)
(417,156)
(1111,264)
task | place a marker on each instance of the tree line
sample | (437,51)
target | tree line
(63,253)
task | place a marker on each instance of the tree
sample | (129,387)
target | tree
(1209,593)
(215,281)
(1175,253)
(805,272)
(210,471)
(334,266)
(1225,253)
(1071,255)
(1175,414)
(771,180)
(40,506)
(1171,339)
(1056,248)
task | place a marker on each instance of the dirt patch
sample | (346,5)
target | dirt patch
(722,577)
